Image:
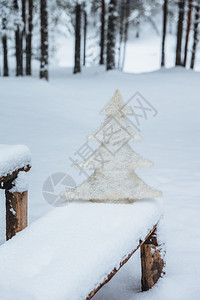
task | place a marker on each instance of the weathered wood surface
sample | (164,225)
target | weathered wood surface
(152,261)
(16,204)
(152,272)
(16,213)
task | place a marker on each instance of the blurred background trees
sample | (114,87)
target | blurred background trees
(29,29)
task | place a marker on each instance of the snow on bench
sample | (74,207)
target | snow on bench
(70,252)
(12,158)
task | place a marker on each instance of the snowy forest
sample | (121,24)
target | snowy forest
(29,30)
(99,149)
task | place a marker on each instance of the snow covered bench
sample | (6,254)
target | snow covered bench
(14,160)
(71,252)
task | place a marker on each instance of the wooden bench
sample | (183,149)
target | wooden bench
(152,263)
(74,250)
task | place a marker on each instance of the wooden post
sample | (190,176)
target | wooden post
(152,262)
(16,213)
(16,204)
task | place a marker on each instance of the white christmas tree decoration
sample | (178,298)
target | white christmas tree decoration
(114,179)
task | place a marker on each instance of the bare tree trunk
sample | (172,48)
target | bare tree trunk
(127,13)
(165,11)
(18,51)
(195,36)
(85,37)
(189,19)
(29,38)
(121,30)
(138,27)
(18,43)
(77,58)
(102,43)
(44,39)
(23,34)
(5,49)
(111,34)
(181,5)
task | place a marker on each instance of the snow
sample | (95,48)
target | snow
(13,211)
(13,157)
(54,118)
(20,183)
(67,253)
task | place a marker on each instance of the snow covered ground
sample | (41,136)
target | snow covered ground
(53,120)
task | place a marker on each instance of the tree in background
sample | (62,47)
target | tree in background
(18,38)
(102,38)
(121,29)
(111,34)
(5,48)
(44,39)
(29,38)
(4,15)
(20,19)
(181,5)
(85,20)
(189,20)
(23,33)
(165,12)
(195,35)
(126,27)
(77,56)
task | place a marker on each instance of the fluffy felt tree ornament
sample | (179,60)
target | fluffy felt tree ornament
(114,179)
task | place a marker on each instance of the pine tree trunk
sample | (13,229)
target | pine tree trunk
(18,51)
(126,27)
(18,44)
(29,38)
(44,39)
(77,58)
(5,49)
(111,34)
(165,10)
(195,36)
(181,5)
(102,40)
(85,37)
(21,52)
(23,37)
(137,28)
(189,19)
(121,30)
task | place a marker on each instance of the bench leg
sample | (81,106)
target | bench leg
(16,213)
(152,262)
